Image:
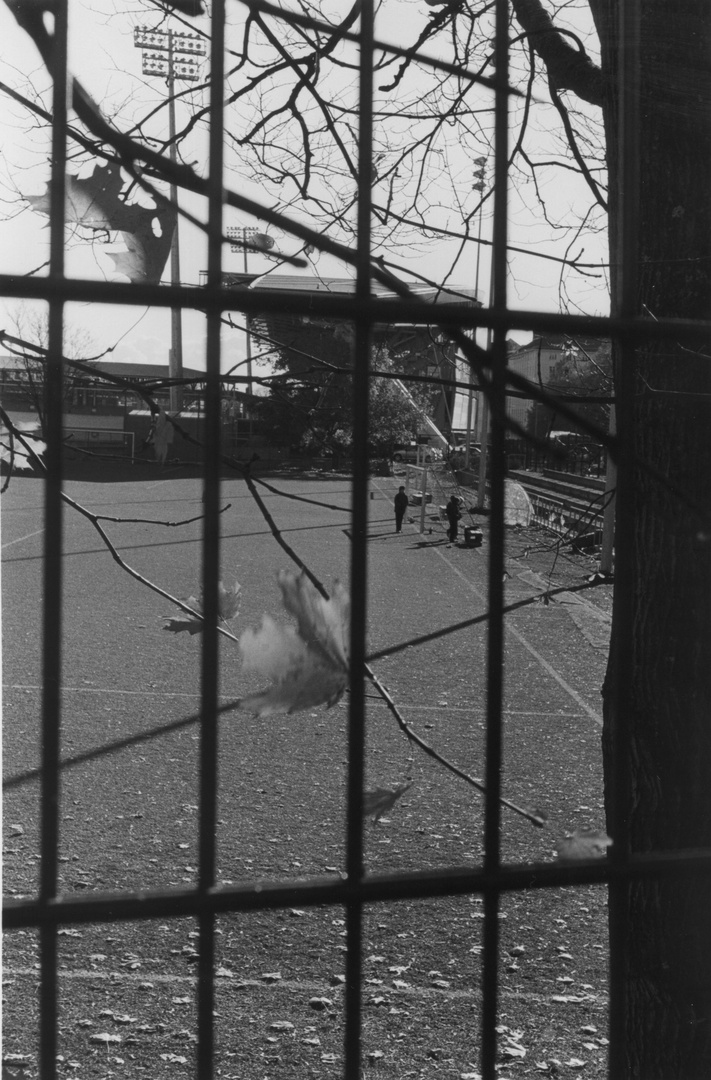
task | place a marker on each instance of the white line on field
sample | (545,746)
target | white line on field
(103,690)
(469,710)
(21,538)
(547,667)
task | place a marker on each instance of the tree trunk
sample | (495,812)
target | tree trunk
(661,635)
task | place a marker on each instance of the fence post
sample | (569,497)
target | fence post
(424,499)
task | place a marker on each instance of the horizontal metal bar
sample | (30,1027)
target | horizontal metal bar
(410,885)
(346,306)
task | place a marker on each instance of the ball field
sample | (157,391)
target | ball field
(128,810)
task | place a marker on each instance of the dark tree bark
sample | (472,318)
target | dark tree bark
(664,596)
(658,683)
(567,64)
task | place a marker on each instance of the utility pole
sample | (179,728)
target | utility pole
(174,56)
(480,186)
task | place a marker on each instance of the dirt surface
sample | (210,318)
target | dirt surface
(129,816)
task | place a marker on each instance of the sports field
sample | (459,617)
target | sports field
(128,815)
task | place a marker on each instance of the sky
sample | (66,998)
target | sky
(103,57)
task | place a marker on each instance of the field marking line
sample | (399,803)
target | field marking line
(19,540)
(376,703)
(127,693)
(547,667)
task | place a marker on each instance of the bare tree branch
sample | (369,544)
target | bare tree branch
(568,68)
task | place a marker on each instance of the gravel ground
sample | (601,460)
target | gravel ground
(128,818)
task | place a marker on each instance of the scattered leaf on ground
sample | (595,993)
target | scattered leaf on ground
(320,1003)
(378,801)
(583,844)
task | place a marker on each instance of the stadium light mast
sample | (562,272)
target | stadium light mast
(246,238)
(239,236)
(172,55)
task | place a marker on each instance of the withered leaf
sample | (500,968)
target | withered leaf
(583,844)
(378,801)
(308,665)
(228,601)
(95,203)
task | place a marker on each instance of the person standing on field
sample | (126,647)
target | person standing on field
(453,515)
(401,504)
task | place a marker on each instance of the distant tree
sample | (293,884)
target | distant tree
(315,416)
(392,418)
(306,416)
(578,373)
(31,326)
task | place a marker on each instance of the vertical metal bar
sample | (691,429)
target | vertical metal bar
(175,365)
(52,565)
(359,578)
(625,304)
(211,556)
(495,655)
(467,451)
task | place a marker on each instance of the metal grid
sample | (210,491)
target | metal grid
(48,911)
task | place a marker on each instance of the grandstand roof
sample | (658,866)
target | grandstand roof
(310,284)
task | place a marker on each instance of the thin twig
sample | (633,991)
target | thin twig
(94,519)
(412,735)
(157,521)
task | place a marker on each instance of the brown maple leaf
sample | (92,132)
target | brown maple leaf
(228,601)
(308,664)
(378,801)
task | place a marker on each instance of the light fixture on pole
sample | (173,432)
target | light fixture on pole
(172,55)
(258,241)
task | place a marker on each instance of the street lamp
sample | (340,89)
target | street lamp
(173,55)
(257,241)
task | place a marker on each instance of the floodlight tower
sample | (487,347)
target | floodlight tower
(235,234)
(172,55)
(244,239)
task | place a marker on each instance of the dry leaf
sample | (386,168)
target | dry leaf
(583,844)
(95,203)
(12,450)
(380,800)
(228,601)
(308,665)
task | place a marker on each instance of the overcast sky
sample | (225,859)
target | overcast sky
(105,60)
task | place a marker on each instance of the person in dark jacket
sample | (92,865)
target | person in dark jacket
(453,515)
(401,505)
